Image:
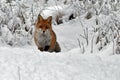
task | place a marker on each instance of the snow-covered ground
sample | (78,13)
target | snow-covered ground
(28,63)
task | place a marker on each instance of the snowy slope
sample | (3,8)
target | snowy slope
(27,63)
(30,64)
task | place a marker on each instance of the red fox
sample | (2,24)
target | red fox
(44,36)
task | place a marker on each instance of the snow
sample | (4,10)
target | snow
(28,63)
(32,64)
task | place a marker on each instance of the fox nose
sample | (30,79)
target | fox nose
(43,31)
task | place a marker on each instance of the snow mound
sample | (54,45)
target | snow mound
(31,64)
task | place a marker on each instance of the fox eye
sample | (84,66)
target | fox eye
(40,26)
(47,27)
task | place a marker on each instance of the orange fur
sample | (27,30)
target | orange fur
(44,36)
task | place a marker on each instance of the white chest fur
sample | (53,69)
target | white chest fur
(44,39)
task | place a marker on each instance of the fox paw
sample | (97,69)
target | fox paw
(50,50)
(46,48)
(41,49)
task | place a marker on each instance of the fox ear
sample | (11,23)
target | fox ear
(40,18)
(49,19)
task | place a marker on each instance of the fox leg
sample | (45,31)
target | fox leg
(57,47)
(46,48)
(40,48)
(52,45)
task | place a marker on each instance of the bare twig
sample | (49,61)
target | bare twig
(79,43)
(82,36)
(92,44)
(83,48)
(19,75)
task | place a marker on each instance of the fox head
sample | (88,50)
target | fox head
(44,25)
